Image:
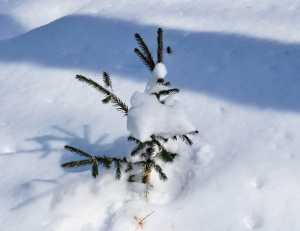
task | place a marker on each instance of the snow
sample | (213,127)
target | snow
(159,72)
(148,117)
(237,66)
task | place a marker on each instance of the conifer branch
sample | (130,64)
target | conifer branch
(157,95)
(92,83)
(107,80)
(167,84)
(110,97)
(169,51)
(138,149)
(77,151)
(160,47)
(106,100)
(160,81)
(95,170)
(158,144)
(118,167)
(186,139)
(77,164)
(193,133)
(167,156)
(140,163)
(130,179)
(165,140)
(145,49)
(129,167)
(144,59)
(168,92)
(131,138)
(162,176)
(119,104)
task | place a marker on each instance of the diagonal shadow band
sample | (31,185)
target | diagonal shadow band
(249,71)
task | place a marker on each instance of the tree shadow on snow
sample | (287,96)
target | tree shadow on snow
(38,189)
(48,145)
(249,71)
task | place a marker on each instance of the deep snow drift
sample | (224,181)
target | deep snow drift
(237,65)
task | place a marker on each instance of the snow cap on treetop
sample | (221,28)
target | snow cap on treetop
(159,71)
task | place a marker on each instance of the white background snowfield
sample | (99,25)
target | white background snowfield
(237,64)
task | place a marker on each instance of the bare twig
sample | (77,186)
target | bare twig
(141,221)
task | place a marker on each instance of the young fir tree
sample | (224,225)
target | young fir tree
(150,151)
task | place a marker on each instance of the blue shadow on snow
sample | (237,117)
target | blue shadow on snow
(249,71)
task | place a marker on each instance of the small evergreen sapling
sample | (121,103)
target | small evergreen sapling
(150,145)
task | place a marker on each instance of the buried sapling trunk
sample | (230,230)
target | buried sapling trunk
(155,117)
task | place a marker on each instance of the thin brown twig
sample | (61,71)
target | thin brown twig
(141,221)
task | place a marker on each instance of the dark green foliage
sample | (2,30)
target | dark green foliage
(186,139)
(77,164)
(129,167)
(95,85)
(162,176)
(118,167)
(160,46)
(169,51)
(167,156)
(130,138)
(169,92)
(160,81)
(167,84)
(77,151)
(144,59)
(131,178)
(147,54)
(149,152)
(107,80)
(95,170)
(110,97)
(106,100)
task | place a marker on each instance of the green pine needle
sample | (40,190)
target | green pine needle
(145,49)
(186,139)
(160,81)
(106,79)
(167,84)
(106,100)
(167,156)
(160,46)
(119,104)
(140,163)
(118,167)
(104,161)
(131,138)
(131,178)
(168,92)
(129,167)
(77,164)
(95,170)
(144,59)
(92,83)
(77,151)
(162,176)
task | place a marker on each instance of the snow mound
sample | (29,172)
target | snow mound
(148,116)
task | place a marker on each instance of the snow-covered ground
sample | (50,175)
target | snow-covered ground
(237,64)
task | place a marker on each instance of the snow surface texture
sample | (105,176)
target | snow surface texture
(147,116)
(237,65)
